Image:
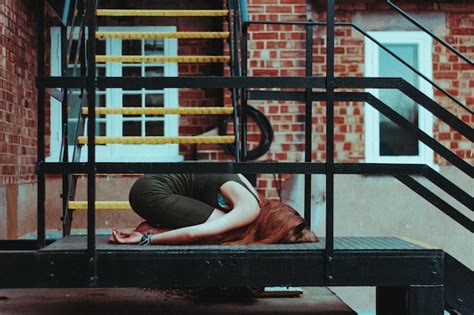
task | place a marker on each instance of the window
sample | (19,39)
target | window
(386,142)
(116,125)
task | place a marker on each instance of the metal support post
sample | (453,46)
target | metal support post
(235,69)
(330,141)
(64,123)
(91,132)
(243,110)
(41,220)
(308,125)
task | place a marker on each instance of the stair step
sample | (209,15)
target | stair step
(160,140)
(101,205)
(162,13)
(160,35)
(162,111)
(151,59)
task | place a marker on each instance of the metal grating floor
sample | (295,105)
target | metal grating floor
(79,243)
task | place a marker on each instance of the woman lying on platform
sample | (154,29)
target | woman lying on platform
(208,209)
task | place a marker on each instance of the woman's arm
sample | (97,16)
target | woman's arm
(245,210)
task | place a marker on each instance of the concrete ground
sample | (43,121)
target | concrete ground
(153,301)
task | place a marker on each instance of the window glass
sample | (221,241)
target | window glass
(394,140)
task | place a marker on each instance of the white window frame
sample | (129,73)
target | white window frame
(118,152)
(425,118)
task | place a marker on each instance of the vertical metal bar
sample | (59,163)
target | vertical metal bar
(243,95)
(76,155)
(235,71)
(64,123)
(330,140)
(237,33)
(244,10)
(308,125)
(91,131)
(41,219)
(66,9)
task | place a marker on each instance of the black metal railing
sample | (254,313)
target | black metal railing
(79,68)
(239,80)
(424,29)
(233,20)
(331,83)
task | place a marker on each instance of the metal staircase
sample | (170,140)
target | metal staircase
(79,18)
(410,278)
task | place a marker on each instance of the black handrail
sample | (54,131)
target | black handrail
(421,135)
(454,99)
(452,189)
(436,201)
(413,93)
(458,102)
(424,29)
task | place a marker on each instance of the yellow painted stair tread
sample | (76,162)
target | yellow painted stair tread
(177,59)
(159,35)
(162,13)
(162,111)
(104,205)
(161,140)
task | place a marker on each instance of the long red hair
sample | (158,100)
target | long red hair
(276,223)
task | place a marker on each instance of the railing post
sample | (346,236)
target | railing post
(330,85)
(308,124)
(243,95)
(41,219)
(91,132)
(64,123)
(234,30)
(244,11)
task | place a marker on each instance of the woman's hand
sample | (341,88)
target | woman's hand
(125,237)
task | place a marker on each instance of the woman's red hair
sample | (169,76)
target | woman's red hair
(276,223)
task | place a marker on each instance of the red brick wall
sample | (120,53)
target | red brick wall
(458,76)
(18,105)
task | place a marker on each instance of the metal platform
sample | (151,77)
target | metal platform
(357,261)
